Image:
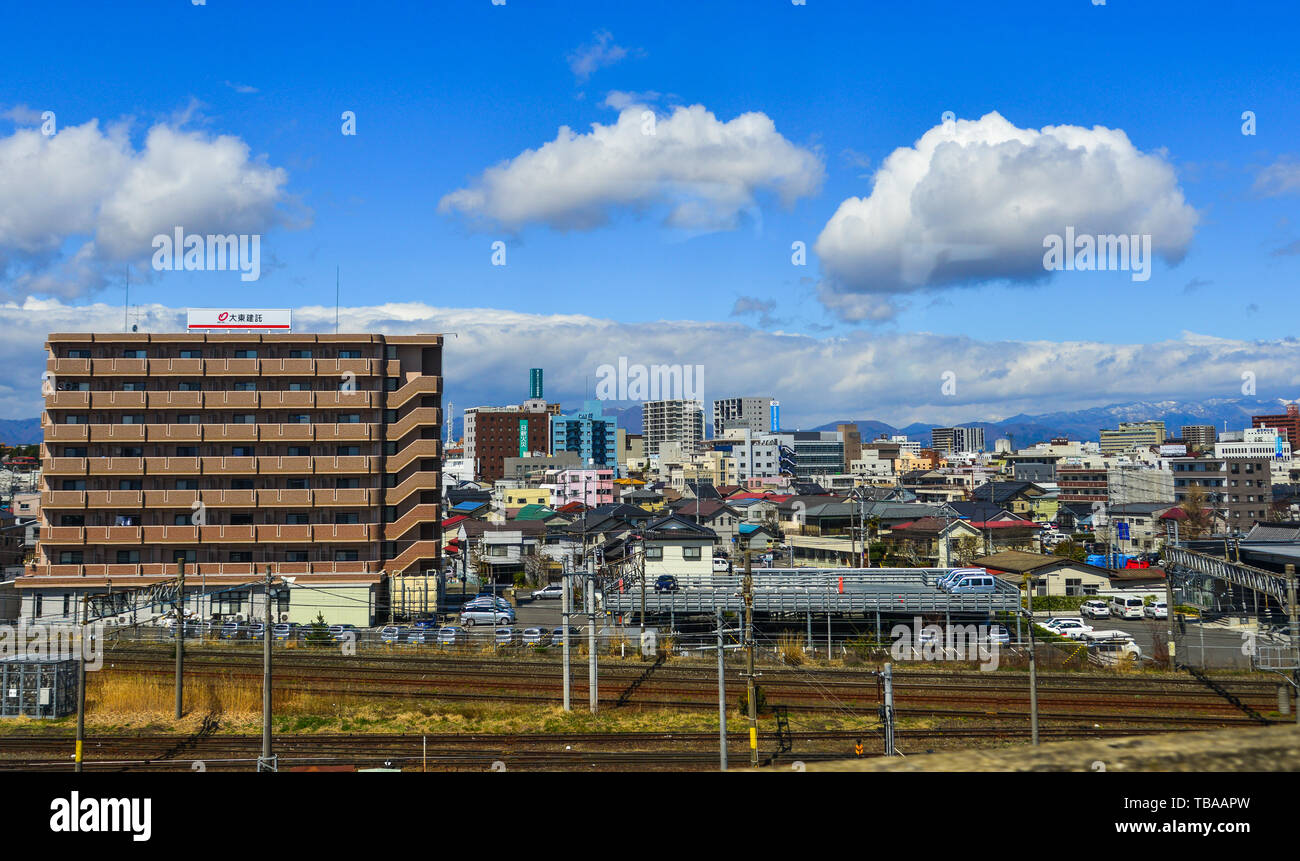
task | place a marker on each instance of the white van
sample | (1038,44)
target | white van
(1123,607)
(1111,647)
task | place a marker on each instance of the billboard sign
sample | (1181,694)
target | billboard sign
(243,319)
(523,437)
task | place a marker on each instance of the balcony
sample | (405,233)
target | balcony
(345,432)
(420,481)
(288,367)
(351,497)
(170,534)
(117,400)
(285,498)
(230,368)
(343,532)
(339,367)
(350,465)
(228,534)
(123,499)
(61,466)
(116,433)
(63,499)
(175,400)
(417,552)
(66,433)
(171,466)
(285,432)
(68,367)
(416,517)
(229,400)
(119,367)
(174,433)
(285,465)
(228,498)
(113,534)
(67,401)
(286,400)
(229,433)
(132,466)
(170,498)
(297,533)
(229,465)
(416,418)
(63,535)
(176,368)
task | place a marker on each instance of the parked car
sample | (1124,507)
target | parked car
(1122,607)
(973,584)
(420,636)
(341,632)
(999,634)
(721,564)
(551,590)
(1070,628)
(1156,610)
(426,624)
(488,602)
(284,631)
(256,631)
(1110,647)
(507,636)
(232,631)
(393,634)
(947,580)
(536,637)
(667,583)
(1094,609)
(452,636)
(557,636)
(471,616)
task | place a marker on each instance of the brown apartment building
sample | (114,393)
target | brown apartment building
(1290,423)
(316,455)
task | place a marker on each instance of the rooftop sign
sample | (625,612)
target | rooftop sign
(245,319)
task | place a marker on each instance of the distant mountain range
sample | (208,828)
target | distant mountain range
(1085,424)
(1025,429)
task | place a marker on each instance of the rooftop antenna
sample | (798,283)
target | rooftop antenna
(126,302)
(336,299)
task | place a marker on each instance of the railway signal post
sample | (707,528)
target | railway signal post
(749,645)
(180,639)
(264,762)
(1033,664)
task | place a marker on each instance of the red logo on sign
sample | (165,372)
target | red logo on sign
(223,316)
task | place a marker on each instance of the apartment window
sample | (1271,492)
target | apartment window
(72,520)
(295,556)
(191,354)
(241,451)
(70,557)
(130,484)
(227,603)
(345,556)
(296,484)
(349,354)
(189,557)
(299,387)
(78,354)
(296,519)
(133,387)
(347,483)
(181,520)
(187,451)
(348,450)
(299,451)
(241,484)
(350,418)
(345,517)
(133,354)
(654,553)
(131,451)
(189,419)
(245,419)
(74,451)
(128,557)
(389,351)
(132,419)
(241,556)
(300,354)
(187,484)
(242,519)
(75,420)
(246,354)
(245,387)
(690,553)
(300,419)
(185,386)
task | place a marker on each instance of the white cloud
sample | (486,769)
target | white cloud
(1279,178)
(619,99)
(602,52)
(22,115)
(893,377)
(707,172)
(972,200)
(75,206)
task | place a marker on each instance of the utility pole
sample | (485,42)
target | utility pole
(749,645)
(265,762)
(1294,632)
(1033,664)
(1169,616)
(722,699)
(564,620)
(643,576)
(887,710)
(180,640)
(592,692)
(81,681)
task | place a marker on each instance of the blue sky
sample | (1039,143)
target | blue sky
(444,91)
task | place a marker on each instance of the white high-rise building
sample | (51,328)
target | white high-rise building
(758,415)
(677,421)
